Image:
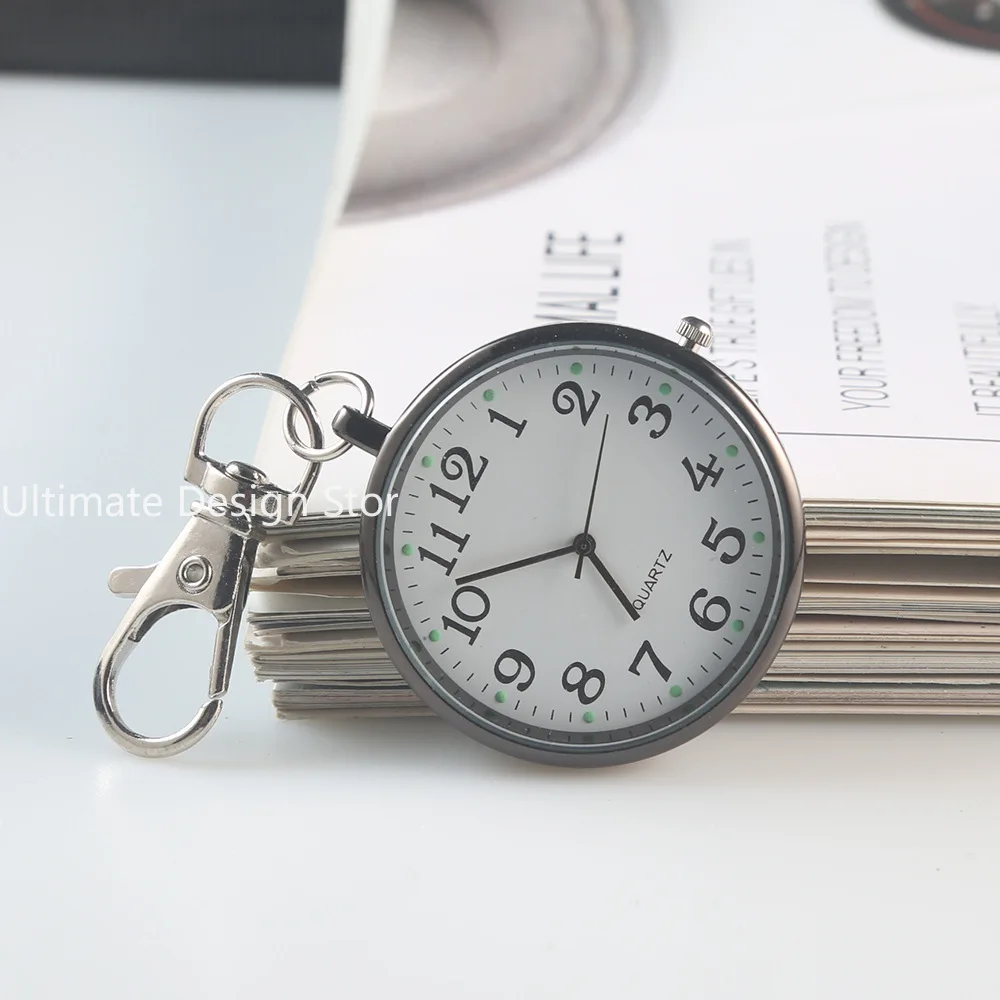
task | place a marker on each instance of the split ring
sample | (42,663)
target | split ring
(292,438)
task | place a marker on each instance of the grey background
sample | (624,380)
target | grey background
(155,242)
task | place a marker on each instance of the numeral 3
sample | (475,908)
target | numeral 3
(660,410)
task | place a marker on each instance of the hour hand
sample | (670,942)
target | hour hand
(613,585)
(517,564)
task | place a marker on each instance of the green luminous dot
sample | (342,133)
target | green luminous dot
(488,395)
(407,549)
(665,389)
(427,461)
(758,537)
(501,696)
(732,451)
(737,624)
(576,368)
(588,716)
(435,636)
(676,691)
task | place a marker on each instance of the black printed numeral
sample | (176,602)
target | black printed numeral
(646,649)
(569,397)
(735,534)
(522,662)
(577,680)
(480,608)
(517,427)
(661,410)
(460,540)
(457,462)
(448,564)
(708,473)
(704,618)
(459,502)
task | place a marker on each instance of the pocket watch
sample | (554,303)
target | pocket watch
(588,549)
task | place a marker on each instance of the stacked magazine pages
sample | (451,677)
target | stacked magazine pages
(894,617)
(845,246)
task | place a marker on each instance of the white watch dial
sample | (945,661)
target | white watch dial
(586,550)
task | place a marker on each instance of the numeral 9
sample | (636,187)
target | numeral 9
(522,660)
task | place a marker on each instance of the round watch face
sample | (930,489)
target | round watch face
(590,547)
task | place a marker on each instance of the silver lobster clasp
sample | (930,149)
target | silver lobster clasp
(207,567)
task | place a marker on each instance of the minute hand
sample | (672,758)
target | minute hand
(593,493)
(517,564)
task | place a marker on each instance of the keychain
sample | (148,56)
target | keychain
(588,549)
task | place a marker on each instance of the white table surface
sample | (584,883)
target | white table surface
(771,858)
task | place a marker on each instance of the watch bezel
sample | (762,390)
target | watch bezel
(583,334)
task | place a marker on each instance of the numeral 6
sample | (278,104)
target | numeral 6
(702,618)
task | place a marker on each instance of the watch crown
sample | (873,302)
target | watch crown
(695,333)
